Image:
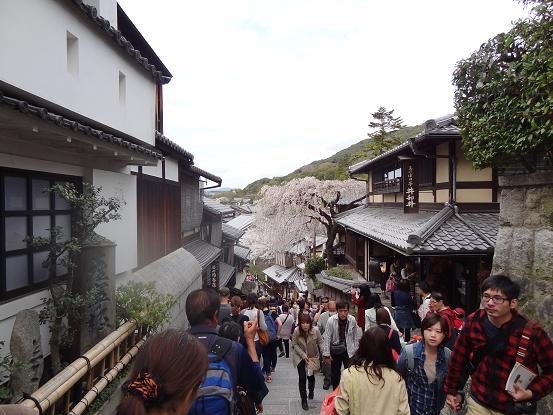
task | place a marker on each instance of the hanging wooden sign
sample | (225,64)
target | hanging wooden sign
(410,186)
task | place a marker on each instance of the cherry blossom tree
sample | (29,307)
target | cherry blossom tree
(291,212)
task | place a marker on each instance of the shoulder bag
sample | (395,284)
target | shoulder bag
(262,334)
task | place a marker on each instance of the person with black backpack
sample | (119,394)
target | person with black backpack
(230,364)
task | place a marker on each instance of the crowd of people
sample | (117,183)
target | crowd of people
(371,360)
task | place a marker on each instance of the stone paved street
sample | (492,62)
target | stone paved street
(284,398)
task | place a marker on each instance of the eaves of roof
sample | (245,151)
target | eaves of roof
(25,108)
(242,252)
(203,173)
(445,126)
(173,147)
(231,232)
(92,14)
(203,251)
(226,272)
(443,232)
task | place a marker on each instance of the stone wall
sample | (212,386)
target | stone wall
(524,248)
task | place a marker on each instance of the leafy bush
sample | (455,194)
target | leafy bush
(314,265)
(340,272)
(141,302)
(503,94)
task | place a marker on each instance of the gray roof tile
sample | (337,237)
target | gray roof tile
(217,208)
(204,252)
(242,252)
(441,232)
(226,272)
(231,232)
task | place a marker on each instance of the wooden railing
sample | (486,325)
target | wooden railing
(89,374)
(388,186)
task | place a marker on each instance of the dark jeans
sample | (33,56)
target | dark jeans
(336,367)
(406,333)
(302,373)
(286,346)
(269,357)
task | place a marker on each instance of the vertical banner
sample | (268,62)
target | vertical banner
(410,186)
(214,275)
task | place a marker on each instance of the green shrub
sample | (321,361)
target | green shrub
(141,302)
(340,272)
(314,265)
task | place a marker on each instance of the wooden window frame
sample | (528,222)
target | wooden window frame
(28,213)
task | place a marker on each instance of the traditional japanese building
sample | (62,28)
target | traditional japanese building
(426,204)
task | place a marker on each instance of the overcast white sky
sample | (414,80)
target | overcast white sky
(261,88)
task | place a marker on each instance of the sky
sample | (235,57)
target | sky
(261,88)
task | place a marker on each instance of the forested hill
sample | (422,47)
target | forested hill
(333,167)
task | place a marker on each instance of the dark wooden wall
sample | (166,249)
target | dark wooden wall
(159,218)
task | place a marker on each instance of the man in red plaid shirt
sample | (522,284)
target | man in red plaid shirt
(488,345)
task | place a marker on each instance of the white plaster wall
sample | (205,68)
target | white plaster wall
(171,169)
(33,51)
(7,319)
(25,163)
(156,171)
(123,231)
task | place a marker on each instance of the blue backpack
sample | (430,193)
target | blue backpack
(216,393)
(271,327)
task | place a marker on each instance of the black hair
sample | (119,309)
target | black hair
(365,292)
(230,330)
(252,300)
(374,350)
(284,308)
(201,306)
(424,286)
(502,283)
(342,305)
(439,296)
(374,301)
(432,319)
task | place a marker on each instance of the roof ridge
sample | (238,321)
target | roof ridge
(424,232)
(92,13)
(474,228)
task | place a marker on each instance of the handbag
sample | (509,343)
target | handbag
(262,334)
(314,364)
(338,348)
(328,407)
(390,284)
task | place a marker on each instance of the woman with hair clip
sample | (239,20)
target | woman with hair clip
(424,366)
(372,380)
(306,342)
(166,374)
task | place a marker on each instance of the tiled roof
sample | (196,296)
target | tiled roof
(205,174)
(232,232)
(442,126)
(217,208)
(334,282)
(46,115)
(440,232)
(226,272)
(92,13)
(280,274)
(204,252)
(174,146)
(242,252)
(241,222)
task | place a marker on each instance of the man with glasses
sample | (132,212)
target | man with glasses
(493,339)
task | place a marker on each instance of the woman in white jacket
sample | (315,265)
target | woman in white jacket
(370,313)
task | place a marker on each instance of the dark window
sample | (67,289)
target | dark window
(387,179)
(28,209)
(427,171)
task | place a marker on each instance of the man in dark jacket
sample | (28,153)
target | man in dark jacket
(202,311)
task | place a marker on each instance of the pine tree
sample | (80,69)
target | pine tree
(384,124)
